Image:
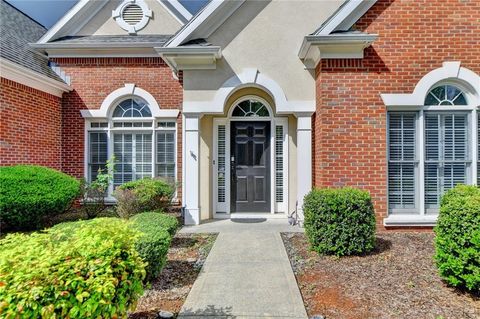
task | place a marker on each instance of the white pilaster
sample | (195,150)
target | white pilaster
(191,179)
(304,158)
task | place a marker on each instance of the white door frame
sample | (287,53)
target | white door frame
(223,210)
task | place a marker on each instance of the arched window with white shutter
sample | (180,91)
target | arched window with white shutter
(433,143)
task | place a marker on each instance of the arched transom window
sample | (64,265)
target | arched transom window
(446,95)
(132,107)
(250,108)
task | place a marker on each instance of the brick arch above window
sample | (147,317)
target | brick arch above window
(129,90)
(451,73)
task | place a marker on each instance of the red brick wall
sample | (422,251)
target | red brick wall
(415,37)
(30,126)
(93,79)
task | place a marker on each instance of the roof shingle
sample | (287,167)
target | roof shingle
(17,30)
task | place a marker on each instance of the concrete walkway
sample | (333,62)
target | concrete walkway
(246,275)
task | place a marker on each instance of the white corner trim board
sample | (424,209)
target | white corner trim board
(449,72)
(129,89)
(25,76)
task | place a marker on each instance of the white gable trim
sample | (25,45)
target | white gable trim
(129,89)
(76,18)
(450,72)
(20,74)
(249,78)
(206,22)
(81,13)
(182,12)
(343,19)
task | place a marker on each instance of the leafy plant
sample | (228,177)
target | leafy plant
(339,221)
(84,269)
(157,230)
(28,193)
(94,193)
(457,241)
(143,195)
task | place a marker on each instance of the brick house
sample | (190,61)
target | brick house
(249,104)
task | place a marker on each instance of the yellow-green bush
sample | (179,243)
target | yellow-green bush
(85,269)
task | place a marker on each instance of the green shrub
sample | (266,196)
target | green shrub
(339,221)
(157,230)
(457,242)
(84,269)
(29,193)
(143,195)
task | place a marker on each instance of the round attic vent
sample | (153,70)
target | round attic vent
(132,15)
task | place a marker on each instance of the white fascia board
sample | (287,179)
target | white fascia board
(91,50)
(206,22)
(76,18)
(191,50)
(77,46)
(25,76)
(343,19)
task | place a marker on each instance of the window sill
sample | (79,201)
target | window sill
(410,220)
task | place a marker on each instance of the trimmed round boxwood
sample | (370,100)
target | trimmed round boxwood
(339,221)
(28,193)
(457,241)
(157,230)
(83,269)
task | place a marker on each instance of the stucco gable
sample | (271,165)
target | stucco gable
(92,18)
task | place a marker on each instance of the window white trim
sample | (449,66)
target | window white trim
(450,72)
(469,82)
(129,89)
(104,115)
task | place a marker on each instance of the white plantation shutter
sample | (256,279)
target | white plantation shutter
(166,154)
(98,154)
(133,157)
(279,163)
(221,161)
(402,164)
(446,154)
(143,155)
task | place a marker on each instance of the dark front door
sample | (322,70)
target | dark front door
(250,166)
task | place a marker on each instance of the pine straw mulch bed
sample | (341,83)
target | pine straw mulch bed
(184,262)
(397,280)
